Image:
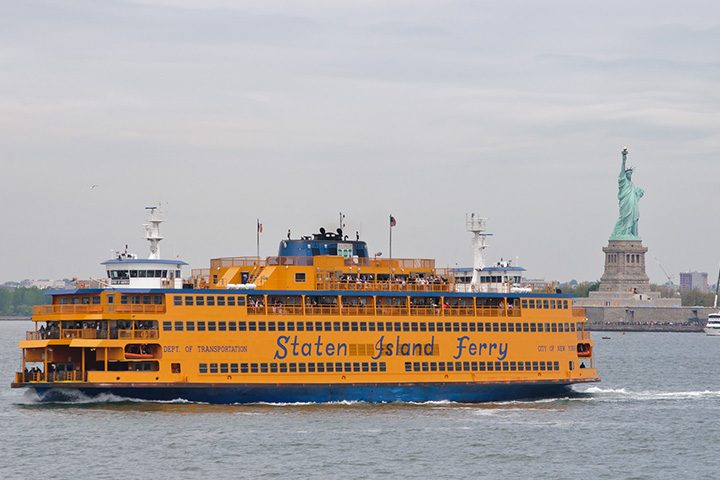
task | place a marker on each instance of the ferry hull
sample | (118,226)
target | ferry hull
(321,393)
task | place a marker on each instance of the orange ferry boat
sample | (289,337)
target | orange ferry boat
(322,321)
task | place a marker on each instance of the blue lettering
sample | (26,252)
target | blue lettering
(295,344)
(418,347)
(318,345)
(490,348)
(460,346)
(472,349)
(431,345)
(503,351)
(405,349)
(306,349)
(480,347)
(280,341)
(342,347)
(379,348)
(330,349)
(389,349)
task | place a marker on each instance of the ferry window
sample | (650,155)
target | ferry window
(474,366)
(253,368)
(292,367)
(328,327)
(355,367)
(252,326)
(203,368)
(567,327)
(336,326)
(498,366)
(488,327)
(210,301)
(540,327)
(308,326)
(481,366)
(503,327)
(201,326)
(177,300)
(224,368)
(533,327)
(346,326)
(495,327)
(489,366)
(110,299)
(321,367)
(521,366)
(458,366)
(142,273)
(439,326)
(179,326)
(472,325)
(232,326)
(167,326)
(560,327)
(464,327)
(234,368)
(271,326)
(425,366)
(175,367)
(406,326)
(363,326)
(542,366)
(373,367)
(281,326)
(135,299)
(505,366)
(535,366)
(545,303)
(190,326)
(244,368)
(556,365)
(273,368)
(242,326)
(263,368)
(526,327)
(365,367)
(572,327)
(565,304)
(213,368)
(382,366)
(261,326)
(283,368)
(511,327)
(221,301)
(414,326)
(371,326)
(222,326)
(133,273)
(300,277)
(552,304)
(528,366)
(291,326)
(479,327)
(241,301)
(430,326)
(513,366)
(554,327)
(408,366)
(339,367)
(441,366)
(547,327)
(231,301)
(211,326)
(388,326)
(397,326)
(466,366)
(188,300)
(146,300)
(416,366)
(300,326)
(301,367)
(96,300)
(200,301)
(124,299)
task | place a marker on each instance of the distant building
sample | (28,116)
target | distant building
(693,280)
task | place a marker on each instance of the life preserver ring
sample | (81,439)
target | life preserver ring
(82,285)
(143,334)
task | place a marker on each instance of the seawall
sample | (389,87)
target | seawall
(647,319)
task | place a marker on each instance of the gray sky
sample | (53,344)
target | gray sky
(291,112)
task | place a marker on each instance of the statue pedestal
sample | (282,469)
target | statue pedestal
(625,267)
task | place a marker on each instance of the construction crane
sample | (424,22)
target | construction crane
(669,277)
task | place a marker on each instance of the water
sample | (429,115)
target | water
(654,416)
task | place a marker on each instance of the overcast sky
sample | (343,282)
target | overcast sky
(294,111)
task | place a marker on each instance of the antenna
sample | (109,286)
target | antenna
(152,231)
(476,226)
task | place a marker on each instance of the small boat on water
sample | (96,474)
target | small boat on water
(712,327)
(605,337)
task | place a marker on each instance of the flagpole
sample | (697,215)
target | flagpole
(391,275)
(257,234)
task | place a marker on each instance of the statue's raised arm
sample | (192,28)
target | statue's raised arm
(629,196)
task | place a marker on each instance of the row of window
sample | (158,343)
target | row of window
(301,367)
(318,326)
(126,274)
(355,367)
(210,300)
(534,366)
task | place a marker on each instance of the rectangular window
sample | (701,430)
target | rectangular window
(290,326)
(188,300)
(224,368)
(201,326)
(535,366)
(212,326)
(263,368)
(241,301)
(363,326)
(254,368)
(231,301)
(177,300)
(222,326)
(481,366)
(383,367)
(533,327)
(406,326)
(262,326)
(200,301)
(203,368)
(414,326)
(300,277)
(354,326)
(242,326)
(513,366)
(520,366)
(281,326)
(346,326)
(511,327)
(210,301)
(167,326)
(221,301)
(524,303)
(308,327)
(213,368)
(503,327)
(542,366)
(252,326)
(234,368)
(190,326)
(283,368)
(365,367)
(546,304)
(271,326)
(293,368)
(178,326)
(408,366)
(329,367)
(496,327)
(244,368)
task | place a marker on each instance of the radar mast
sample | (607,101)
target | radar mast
(152,231)
(476,226)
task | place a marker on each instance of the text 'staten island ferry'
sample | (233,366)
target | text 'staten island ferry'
(322,321)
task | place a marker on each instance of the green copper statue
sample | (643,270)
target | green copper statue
(629,196)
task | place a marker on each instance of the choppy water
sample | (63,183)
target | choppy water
(654,416)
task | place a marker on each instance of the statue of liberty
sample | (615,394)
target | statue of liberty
(629,196)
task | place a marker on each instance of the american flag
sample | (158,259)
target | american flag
(259,226)
(392,221)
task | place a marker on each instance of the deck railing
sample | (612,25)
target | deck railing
(105,308)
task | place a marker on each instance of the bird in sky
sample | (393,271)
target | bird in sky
(93,186)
